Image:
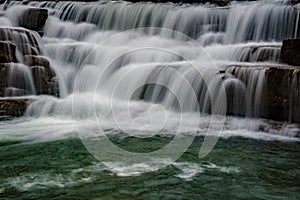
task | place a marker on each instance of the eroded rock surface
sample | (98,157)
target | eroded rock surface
(33,18)
(290,52)
(266,91)
(23,68)
(14,107)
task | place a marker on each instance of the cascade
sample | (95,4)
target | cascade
(236,23)
(85,41)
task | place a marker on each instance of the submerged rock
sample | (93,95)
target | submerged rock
(290,52)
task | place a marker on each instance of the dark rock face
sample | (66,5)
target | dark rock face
(290,52)
(33,18)
(293,2)
(3,78)
(13,107)
(32,60)
(29,75)
(280,97)
(45,81)
(20,37)
(7,52)
(284,93)
(27,49)
(278,93)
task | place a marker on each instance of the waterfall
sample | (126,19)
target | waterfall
(212,48)
(20,79)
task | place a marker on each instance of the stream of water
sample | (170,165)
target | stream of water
(143,75)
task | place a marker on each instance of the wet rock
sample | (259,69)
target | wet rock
(33,73)
(33,18)
(290,52)
(279,98)
(28,49)
(7,52)
(267,53)
(293,2)
(13,92)
(3,78)
(278,90)
(18,77)
(45,81)
(20,36)
(259,54)
(31,60)
(13,107)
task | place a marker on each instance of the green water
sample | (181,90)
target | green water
(237,168)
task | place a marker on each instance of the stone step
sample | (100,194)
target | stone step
(290,52)
(7,52)
(14,107)
(30,74)
(266,91)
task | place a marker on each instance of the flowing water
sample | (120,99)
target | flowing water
(144,75)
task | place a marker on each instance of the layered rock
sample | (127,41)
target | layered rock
(284,93)
(23,69)
(14,107)
(16,80)
(32,66)
(33,19)
(257,54)
(290,52)
(7,52)
(20,37)
(271,92)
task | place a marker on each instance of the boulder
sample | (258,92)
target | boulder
(290,52)
(33,18)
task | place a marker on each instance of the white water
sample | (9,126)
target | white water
(95,63)
(239,22)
